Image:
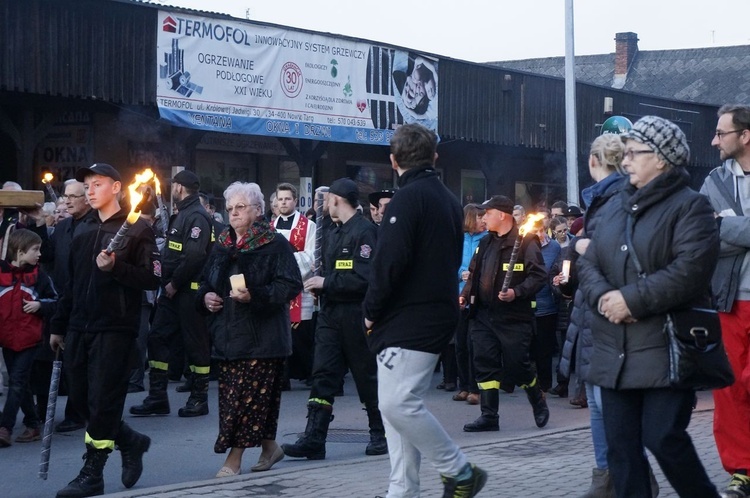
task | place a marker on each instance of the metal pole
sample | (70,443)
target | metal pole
(571,139)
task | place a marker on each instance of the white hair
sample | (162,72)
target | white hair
(12,186)
(48,208)
(249,192)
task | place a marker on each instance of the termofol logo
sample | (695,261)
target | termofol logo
(169,25)
(208,30)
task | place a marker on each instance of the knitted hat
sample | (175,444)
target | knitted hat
(663,137)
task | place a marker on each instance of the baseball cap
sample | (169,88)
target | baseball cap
(187,179)
(102,169)
(499,202)
(574,211)
(346,188)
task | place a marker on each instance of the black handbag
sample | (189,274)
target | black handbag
(697,359)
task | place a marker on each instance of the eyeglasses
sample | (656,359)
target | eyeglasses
(72,196)
(632,153)
(240,207)
(721,134)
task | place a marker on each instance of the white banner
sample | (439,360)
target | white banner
(236,77)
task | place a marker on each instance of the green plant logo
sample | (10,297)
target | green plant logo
(334,69)
(348,87)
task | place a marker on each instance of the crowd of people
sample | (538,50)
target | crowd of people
(496,296)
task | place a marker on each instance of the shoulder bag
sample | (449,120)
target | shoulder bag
(697,359)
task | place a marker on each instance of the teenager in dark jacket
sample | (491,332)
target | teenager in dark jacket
(675,240)
(250,328)
(96,324)
(411,312)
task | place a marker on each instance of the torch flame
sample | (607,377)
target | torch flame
(48,177)
(531,220)
(157,185)
(135,196)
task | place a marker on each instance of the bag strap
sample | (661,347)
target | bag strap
(629,241)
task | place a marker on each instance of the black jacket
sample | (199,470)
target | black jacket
(98,301)
(260,328)
(527,279)
(188,244)
(412,297)
(348,251)
(59,243)
(676,240)
(579,343)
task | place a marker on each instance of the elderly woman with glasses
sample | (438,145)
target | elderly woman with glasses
(655,253)
(248,281)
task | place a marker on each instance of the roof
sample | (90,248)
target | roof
(715,76)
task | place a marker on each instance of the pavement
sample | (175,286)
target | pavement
(521,460)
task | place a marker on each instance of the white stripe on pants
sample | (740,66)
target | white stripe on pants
(403,379)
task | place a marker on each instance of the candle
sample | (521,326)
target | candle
(566,271)
(237,281)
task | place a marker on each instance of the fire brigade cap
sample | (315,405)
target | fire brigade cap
(102,169)
(375,197)
(346,188)
(499,202)
(187,179)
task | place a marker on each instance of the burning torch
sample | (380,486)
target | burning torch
(135,200)
(531,220)
(163,215)
(46,179)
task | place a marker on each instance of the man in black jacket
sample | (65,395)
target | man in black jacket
(339,342)
(96,323)
(411,312)
(60,241)
(184,254)
(503,318)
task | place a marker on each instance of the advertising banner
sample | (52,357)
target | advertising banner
(236,77)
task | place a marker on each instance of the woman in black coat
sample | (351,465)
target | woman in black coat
(249,324)
(675,239)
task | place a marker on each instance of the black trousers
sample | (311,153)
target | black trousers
(175,316)
(300,363)
(464,359)
(543,348)
(658,420)
(99,365)
(340,343)
(501,350)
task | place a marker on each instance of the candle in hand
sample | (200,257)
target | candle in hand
(237,281)
(565,270)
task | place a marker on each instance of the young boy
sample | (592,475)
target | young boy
(26,296)
(97,324)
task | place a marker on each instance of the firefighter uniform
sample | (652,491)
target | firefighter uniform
(188,243)
(501,331)
(339,340)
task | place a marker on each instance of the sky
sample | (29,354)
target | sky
(488,30)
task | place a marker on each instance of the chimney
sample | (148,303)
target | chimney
(626,46)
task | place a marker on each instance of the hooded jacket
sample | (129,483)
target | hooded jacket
(98,301)
(19,330)
(722,189)
(677,244)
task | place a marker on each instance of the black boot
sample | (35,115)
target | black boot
(187,386)
(312,444)
(538,403)
(377,445)
(157,402)
(132,446)
(488,420)
(197,403)
(89,481)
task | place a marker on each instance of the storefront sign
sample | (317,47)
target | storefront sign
(237,77)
